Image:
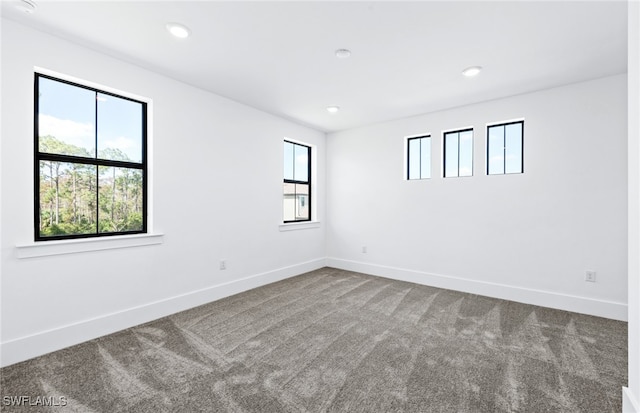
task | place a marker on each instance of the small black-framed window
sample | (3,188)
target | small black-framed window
(297,182)
(419,157)
(90,161)
(505,144)
(458,153)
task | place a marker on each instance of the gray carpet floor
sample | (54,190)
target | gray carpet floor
(338,341)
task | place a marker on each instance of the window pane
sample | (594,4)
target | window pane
(66,118)
(289,202)
(120,199)
(414,159)
(67,199)
(302,202)
(496,150)
(465,167)
(513,145)
(301,169)
(119,129)
(288,160)
(451,154)
(425,158)
(295,202)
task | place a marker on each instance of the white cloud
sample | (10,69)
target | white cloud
(64,129)
(128,146)
(120,142)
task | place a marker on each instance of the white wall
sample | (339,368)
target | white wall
(631,400)
(527,237)
(1,186)
(217,194)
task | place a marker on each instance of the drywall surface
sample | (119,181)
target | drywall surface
(633,391)
(216,193)
(527,237)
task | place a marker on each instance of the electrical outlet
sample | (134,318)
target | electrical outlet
(223,264)
(364,250)
(590,276)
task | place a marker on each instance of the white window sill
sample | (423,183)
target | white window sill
(47,248)
(294,226)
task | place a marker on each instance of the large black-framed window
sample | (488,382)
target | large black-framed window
(505,144)
(90,161)
(419,157)
(458,153)
(297,182)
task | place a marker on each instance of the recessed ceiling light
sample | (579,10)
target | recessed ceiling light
(27,6)
(472,71)
(178,30)
(333,109)
(343,53)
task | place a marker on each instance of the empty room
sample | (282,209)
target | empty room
(367,206)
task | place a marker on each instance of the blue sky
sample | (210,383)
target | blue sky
(505,149)
(459,154)
(68,113)
(296,162)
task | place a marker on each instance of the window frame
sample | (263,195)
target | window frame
(308,182)
(95,161)
(444,151)
(408,153)
(504,147)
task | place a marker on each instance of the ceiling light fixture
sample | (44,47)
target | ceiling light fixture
(333,109)
(343,53)
(27,6)
(472,71)
(178,30)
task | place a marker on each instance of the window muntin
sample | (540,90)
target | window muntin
(505,148)
(297,182)
(419,157)
(458,153)
(90,161)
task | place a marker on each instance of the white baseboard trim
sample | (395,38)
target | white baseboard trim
(24,348)
(629,403)
(584,305)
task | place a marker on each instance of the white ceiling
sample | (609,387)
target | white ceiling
(407,57)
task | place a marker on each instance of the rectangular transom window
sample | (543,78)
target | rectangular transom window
(458,153)
(419,157)
(297,182)
(504,148)
(90,161)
